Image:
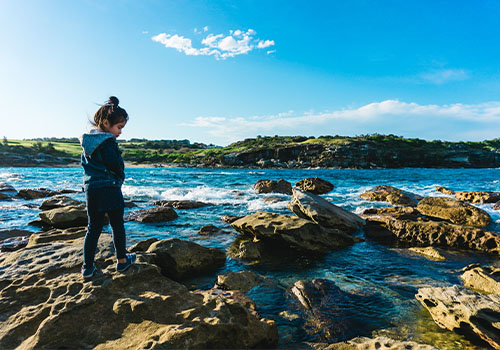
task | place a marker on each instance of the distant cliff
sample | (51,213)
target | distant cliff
(363,152)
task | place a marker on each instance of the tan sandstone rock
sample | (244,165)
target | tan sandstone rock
(378,343)
(455,211)
(312,207)
(462,310)
(486,280)
(444,190)
(70,216)
(429,252)
(392,195)
(315,185)
(270,186)
(299,233)
(478,196)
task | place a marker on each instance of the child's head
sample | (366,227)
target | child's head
(110,117)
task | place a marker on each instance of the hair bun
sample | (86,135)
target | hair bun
(114,101)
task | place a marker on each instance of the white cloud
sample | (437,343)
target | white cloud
(446,122)
(443,76)
(205,28)
(238,42)
(145,32)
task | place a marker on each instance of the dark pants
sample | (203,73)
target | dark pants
(94,229)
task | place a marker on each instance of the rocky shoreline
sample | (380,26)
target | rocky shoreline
(44,298)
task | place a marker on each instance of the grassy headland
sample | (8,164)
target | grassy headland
(365,151)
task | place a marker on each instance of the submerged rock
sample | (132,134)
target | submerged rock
(461,310)
(179,258)
(485,280)
(269,186)
(211,230)
(315,185)
(159,214)
(241,280)
(70,216)
(182,204)
(45,301)
(378,343)
(296,232)
(59,201)
(384,193)
(332,313)
(478,196)
(312,207)
(429,252)
(415,229)
(35,193)
(455,211)
(444,190)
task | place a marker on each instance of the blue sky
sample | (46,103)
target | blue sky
(221,71)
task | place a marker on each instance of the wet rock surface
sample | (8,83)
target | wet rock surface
(242,280)
(315,185)
(384,193)
(159,214)
(483,279)
(7,191)
(27,193)
(428,252)
(459,309)
(228,219)
(44,299)
(330,312)
(312,207)
(211,230)
(293,231)
(272,186)
(454,211)
(179,259)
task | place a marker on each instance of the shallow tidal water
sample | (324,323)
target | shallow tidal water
(379,280)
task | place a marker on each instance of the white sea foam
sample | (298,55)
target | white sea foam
(204,194)
(140,191)
(259,204)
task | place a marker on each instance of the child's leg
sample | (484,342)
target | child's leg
(94,229)
(116,221)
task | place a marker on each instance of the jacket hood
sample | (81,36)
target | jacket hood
(91,140)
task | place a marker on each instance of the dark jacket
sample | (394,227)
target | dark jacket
(101,160)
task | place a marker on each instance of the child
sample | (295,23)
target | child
(103,177)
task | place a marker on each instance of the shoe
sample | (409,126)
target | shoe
(88,273)
(121,267)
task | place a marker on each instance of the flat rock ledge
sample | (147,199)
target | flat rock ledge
(378,343)
(459,309)
(45,303)
(312,207)
(158,214)
(291,230)
(407,225)
(457,212)
(483,279)
(478,196)
(393,195)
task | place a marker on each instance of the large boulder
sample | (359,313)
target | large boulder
(485,280)
(179,258)
(70,216)
(407,225)
(454,211)
(296,232)
(27,193)
(378,343)
(478,196)
(45,300)
(332,313)
(272,186)
(312,207)
(181,204)
(159,214)
(315,185)
(466,312)
(393,195)
(7,191)
(59,201)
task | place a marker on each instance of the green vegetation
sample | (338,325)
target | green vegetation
(183,151)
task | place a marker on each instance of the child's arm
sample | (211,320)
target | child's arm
(112,158)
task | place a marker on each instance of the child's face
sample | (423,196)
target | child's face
(115,129)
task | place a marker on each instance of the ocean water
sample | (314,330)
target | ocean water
(379,281)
